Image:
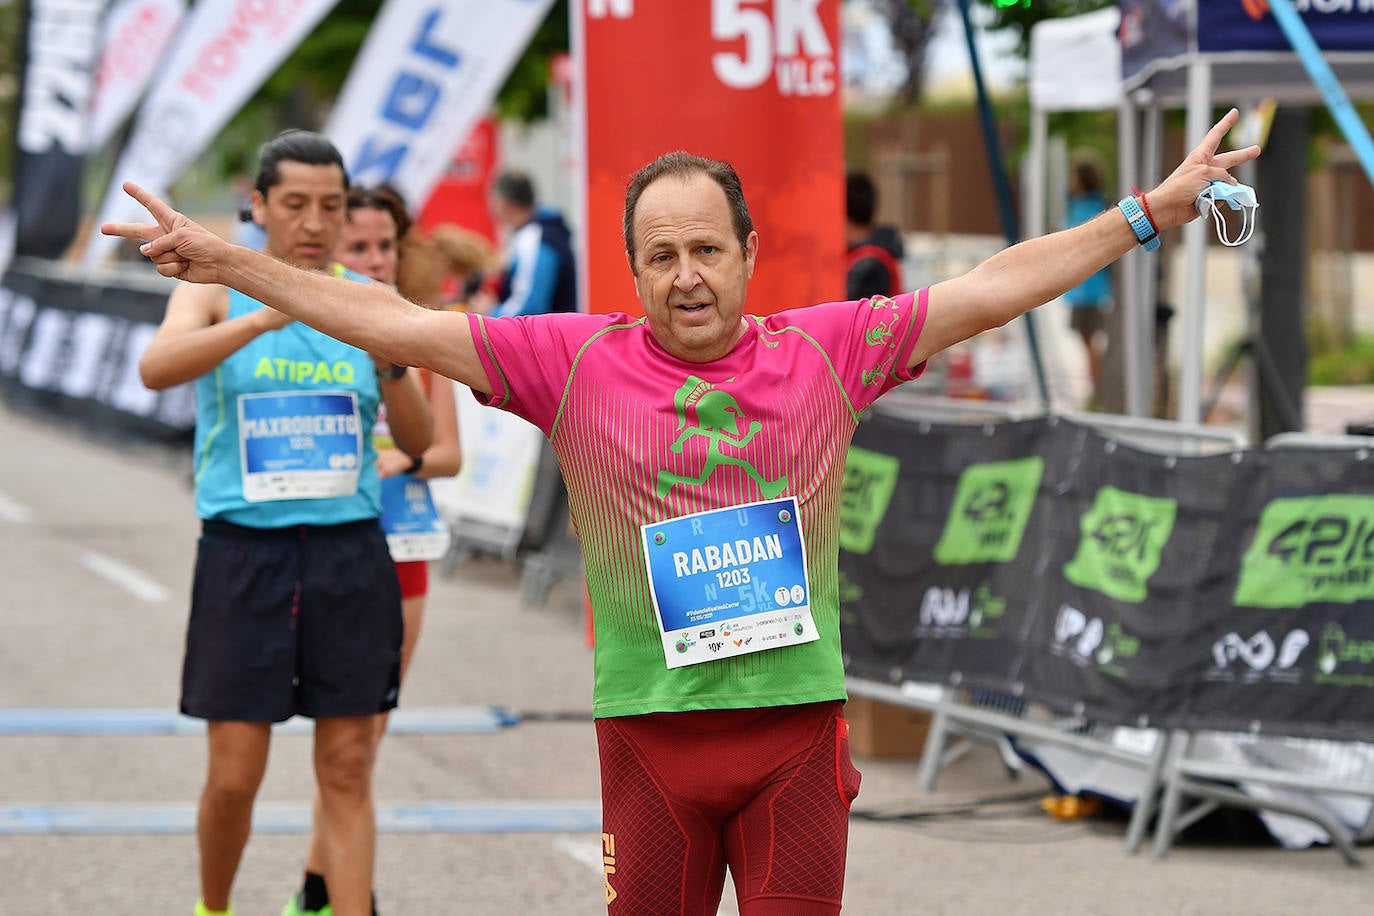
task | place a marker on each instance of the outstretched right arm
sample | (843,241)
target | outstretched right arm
(368,316)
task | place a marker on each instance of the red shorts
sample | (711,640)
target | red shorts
(414,577)
(764,791)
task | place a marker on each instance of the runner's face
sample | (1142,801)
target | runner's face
(303,213)
(690,271)
(368,244)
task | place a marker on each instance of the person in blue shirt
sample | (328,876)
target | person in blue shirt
(1089,301)
(295,606)
(540,276)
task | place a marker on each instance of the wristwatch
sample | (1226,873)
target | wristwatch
(394,373)
(1140,223)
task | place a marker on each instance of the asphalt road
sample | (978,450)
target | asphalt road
(96,548)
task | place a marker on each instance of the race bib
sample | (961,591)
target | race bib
(414,530)
(299,445)
(729,582)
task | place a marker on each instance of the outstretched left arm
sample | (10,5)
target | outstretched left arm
(1019,278)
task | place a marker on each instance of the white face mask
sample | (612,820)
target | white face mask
(1236,196)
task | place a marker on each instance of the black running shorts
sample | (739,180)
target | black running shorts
(292,621)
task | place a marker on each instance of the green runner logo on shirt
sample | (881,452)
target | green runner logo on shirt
(882,336)
(992,505)
(1309,549)
(1122,538)
(718,417)
(869,479)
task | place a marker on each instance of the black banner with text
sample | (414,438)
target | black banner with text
(71,349)
(61,45)
(1042,559)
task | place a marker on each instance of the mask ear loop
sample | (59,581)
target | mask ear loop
(1248,220)
(1219,222)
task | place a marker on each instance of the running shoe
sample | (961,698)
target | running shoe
(295,907)
(203,910)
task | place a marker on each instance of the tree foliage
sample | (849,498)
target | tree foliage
(10,56)
(912,24)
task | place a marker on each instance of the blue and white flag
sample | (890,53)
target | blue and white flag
(425,76)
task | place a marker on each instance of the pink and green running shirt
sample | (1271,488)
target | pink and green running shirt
(612,402)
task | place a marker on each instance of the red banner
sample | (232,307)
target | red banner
(753,82)
(461,195)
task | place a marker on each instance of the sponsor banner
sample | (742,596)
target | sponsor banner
(135,34)
(426,75)
(61,47)
(1127,542)
(69,347)
(933,547)
(754,83)
(1296,643)
(220,56)
(1249,25)
(1041,560)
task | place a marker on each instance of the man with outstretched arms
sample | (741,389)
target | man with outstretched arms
(295,608)
(704,450)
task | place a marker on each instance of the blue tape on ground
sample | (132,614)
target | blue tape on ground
(433,817)
(95,722)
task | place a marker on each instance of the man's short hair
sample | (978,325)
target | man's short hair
(515,188)
(860,199)
(683,165)
(303,146)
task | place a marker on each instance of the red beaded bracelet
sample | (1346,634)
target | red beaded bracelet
(1145,205)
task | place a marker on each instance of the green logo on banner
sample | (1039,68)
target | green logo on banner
(1122,538)
(991,508)
(1338,652)
(869,479)
(1308,549)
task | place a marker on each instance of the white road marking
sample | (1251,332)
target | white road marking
(13,511)
(125,576)
(588,852)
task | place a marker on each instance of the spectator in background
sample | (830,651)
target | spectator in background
(248,232)
(873,265)
(465,257)
(377,242)
(540,275)
(1089,301)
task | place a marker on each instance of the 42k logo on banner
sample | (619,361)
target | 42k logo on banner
(992,506)
(1310,549)
(1123,536)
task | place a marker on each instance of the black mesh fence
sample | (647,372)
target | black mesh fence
(1041,558)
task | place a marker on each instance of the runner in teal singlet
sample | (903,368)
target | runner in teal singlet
(295,606)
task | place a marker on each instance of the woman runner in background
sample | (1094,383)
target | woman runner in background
(376,241)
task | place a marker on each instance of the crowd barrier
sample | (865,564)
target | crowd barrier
(1312,779)
(1109,586)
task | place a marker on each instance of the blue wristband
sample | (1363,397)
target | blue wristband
(1140,223)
